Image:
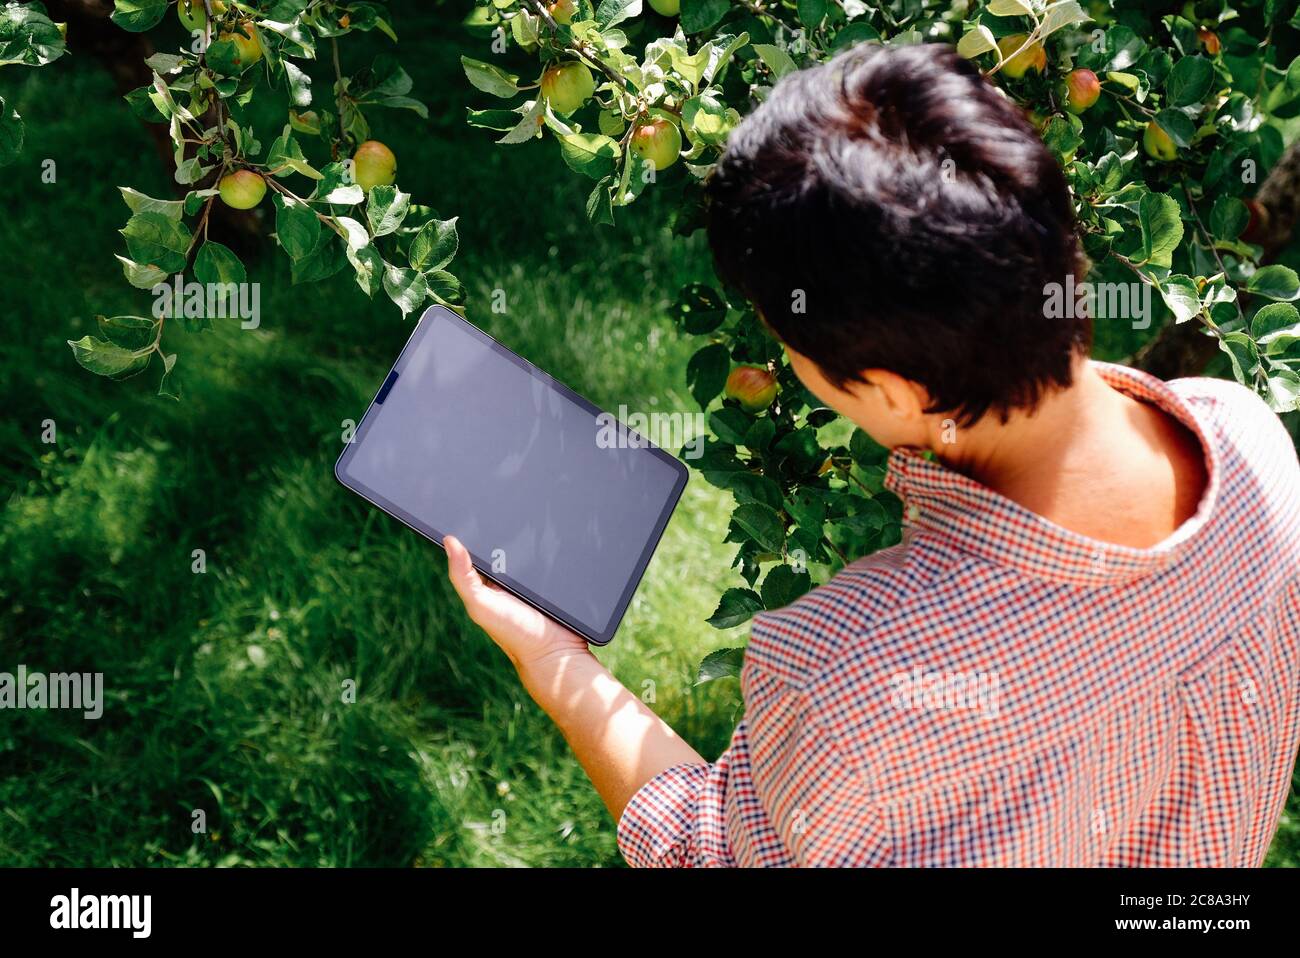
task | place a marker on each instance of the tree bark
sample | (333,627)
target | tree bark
(1186,349)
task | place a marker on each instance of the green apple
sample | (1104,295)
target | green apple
(1082,88)
(242,189)
(751,386)
(668,8)
(562,11)
(659,141)
(1158,144)
(1034,57)
(567,86)
(244,37)
(192,15)
(373,165)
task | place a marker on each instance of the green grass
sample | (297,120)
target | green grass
(225,689)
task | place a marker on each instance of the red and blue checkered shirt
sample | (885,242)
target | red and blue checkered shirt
(997,690)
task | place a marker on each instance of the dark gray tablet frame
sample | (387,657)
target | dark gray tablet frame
(596,637)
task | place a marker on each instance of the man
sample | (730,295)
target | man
(1085,651)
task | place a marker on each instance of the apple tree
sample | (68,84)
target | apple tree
(333,193)
(1166,118)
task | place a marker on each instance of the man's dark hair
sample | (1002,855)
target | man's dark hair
(918,215)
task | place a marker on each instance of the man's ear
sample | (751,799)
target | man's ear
(901,397)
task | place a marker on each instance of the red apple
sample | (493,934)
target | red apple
(751,386)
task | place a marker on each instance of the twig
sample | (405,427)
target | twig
(1209,241)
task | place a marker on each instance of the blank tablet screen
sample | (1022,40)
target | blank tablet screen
(557,503)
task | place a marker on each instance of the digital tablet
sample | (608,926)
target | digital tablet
(557,502)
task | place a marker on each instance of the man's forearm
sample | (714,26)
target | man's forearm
(619,741)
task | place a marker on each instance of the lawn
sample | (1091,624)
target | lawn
(225,689)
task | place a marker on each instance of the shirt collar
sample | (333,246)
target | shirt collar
(987,524)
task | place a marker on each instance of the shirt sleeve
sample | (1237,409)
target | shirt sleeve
(702,815)
(781,795)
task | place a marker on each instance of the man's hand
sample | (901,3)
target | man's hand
(618,740)
(534,642)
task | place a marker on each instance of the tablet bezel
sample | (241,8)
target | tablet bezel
(589,632)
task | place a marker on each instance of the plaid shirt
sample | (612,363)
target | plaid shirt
(997,690)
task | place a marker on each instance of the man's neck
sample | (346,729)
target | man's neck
(1091,459)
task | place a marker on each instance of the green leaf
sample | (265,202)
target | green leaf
(1176,123)
(490,79)
(1274,320)
(129,332)
(592,154)
(11,134)
(445,287)
(138,15)
(865,450)
(762,524)
(369,268)
(405,287)
(157,240)
(699,15)
(286,156)
(979,39)
(1182,297)
(435,245)
(500,120)
(707,119)
(139,203)
(1228,217)
(600,204)
(168,387)
(699,309)
(355,235)
(28,36)
(1162,228)
(1275,282)
(812,12)
(750,487)
(1189,81)
(216,264)
(613,12)
(299,85)
(296,226)
(226,58)
(1283,390)
(386,209)
(531,118)
(322,262)
(730,424)
(776,59)
(783,585)
(141,275)
(337,187)
(807,507)
(1060,14)
(720,664)
(706,373)
(1241,352)
(736,606)
(107,359)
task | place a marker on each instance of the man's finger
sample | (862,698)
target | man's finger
(460,569)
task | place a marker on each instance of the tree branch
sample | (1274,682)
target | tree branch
(1184,349)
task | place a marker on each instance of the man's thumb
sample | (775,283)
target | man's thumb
(460,569)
